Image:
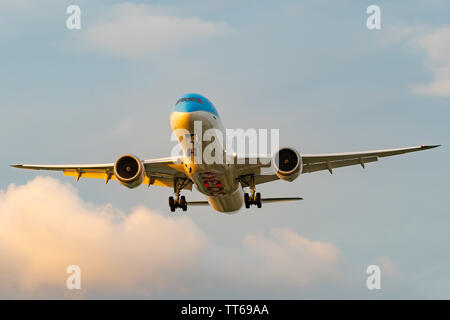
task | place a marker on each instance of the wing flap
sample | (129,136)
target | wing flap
(330,165)
(263,178)
(88,174)
(170,166)
(148,180)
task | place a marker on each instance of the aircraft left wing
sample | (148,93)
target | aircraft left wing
(160,172)
(317,162)
(259,168)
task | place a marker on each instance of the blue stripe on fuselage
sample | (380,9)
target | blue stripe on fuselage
(194,102)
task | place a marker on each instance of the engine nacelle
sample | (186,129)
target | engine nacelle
(287,163)
(129,170)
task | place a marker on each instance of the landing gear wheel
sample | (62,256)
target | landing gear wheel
(258,200)
(247,200)
(183,203)
(180,201)
(254,198)
(172,204)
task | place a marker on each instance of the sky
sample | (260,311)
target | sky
(311,69)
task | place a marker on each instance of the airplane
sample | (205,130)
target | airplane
(222,183)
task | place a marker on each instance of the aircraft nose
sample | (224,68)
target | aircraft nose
(181,121)
(194,102)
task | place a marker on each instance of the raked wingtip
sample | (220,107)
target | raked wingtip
(430,146)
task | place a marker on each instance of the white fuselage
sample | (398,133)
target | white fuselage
(217,181)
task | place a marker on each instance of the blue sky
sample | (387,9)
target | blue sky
(310,68)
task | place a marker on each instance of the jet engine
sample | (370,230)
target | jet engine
(287,163)
(129,170)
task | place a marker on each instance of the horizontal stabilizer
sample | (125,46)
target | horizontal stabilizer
(263,200)
(267,200)
(198,203)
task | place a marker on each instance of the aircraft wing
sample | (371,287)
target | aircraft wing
(317,162)
(257,168)
(160,172)
(261,170)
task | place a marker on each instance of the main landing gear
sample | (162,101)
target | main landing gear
(179,201)
(254,198)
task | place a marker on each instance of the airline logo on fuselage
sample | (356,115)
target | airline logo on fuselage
(212,183)
(192,99)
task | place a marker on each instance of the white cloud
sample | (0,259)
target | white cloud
(287,253)
(45,227)
(435,43)
(401,33)
(437,47)
(388,268)
(133,30)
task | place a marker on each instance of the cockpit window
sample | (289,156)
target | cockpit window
(193,99)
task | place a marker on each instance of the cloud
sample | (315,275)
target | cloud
(388,267)
(132,30)
(435,43)
(45,227)
(286,252)
(437,48)
(401,33)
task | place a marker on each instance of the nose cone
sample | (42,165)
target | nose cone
(182,121)
(194,102)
